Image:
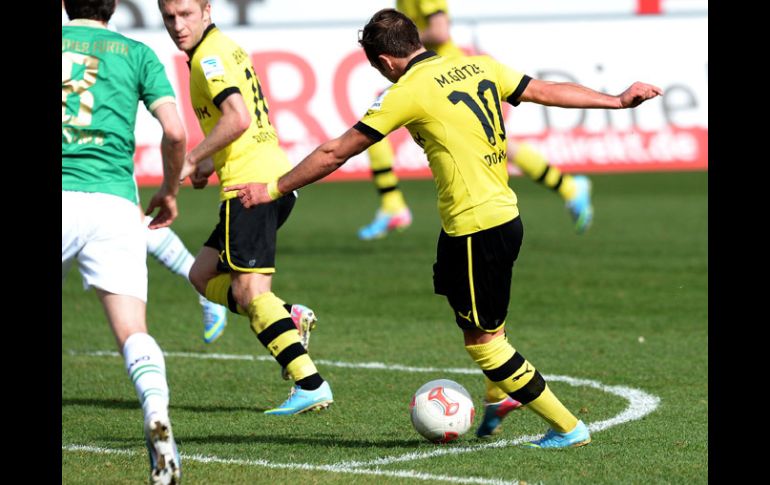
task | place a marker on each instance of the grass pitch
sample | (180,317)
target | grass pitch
(623,307)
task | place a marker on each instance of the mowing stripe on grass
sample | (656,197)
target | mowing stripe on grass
(303,466)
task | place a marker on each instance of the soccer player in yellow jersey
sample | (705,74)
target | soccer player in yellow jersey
(432,20)
(236,264)
(452,108)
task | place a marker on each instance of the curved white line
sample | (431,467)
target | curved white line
(640,404)
(304,466)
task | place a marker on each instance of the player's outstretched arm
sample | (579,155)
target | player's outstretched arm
(322,161)
(573,95)
(172,149)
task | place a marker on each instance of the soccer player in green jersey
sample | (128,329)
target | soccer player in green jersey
(236,265)
(452,108)
(104,76)
(432,20)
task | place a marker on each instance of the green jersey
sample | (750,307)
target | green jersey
(104,75)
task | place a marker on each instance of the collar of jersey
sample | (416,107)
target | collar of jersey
(419,58)
(203,37)
(86,23)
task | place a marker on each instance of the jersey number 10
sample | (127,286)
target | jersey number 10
(487,119)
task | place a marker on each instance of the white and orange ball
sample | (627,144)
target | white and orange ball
(442,410)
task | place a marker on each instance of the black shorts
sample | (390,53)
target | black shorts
(474,273)
(245,238)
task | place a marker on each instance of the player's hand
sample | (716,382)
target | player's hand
(166,203)
(188,168)
(638,93)
(250,194)
(200,177)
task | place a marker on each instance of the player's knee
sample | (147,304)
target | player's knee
(199,278)
(247,286)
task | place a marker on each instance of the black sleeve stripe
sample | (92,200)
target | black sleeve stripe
(514,98)
(433,13)
(224,94)
(368,131)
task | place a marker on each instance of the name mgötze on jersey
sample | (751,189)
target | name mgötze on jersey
(458,74)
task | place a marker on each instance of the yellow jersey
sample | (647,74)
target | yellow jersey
(452,108)
(218,68)
(419,11)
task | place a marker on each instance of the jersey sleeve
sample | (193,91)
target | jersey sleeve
(219,77)
(391,110)
(512,83)
(154,87)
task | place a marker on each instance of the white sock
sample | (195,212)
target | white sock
(167,248)
(147,370)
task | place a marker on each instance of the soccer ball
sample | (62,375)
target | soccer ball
(442,410)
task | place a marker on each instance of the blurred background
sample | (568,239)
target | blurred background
(318,83)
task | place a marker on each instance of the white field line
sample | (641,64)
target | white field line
(640,404)
(303,466)
(267,358)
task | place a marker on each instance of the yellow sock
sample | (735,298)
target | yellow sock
(386,181)
(392,201)
(508,369)
(548,407)
(218,291)
(493,394)
(532,163)
(274,328)
(380,155)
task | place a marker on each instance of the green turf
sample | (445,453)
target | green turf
(579,307)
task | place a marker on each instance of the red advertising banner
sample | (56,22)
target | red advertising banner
(318,90)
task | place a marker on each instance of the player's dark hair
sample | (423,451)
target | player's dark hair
(389,32)
(100,10)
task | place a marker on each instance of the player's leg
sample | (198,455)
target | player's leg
(497,405)
(512,373)
(217,287)
(304,318)
(476,280)
(453,277)
(274,328)
(166,247)
(247,251)
(574,189)
(211,277)
(393,212)
(146,368)
(114,264)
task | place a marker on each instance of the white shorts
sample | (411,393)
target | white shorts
(106,235)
